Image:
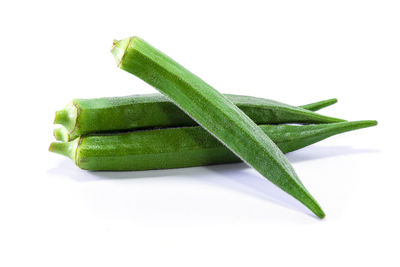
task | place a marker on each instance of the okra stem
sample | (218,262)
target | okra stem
(67,149)
(61,134)
(68,116)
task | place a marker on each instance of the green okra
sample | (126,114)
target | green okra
(214,112)
(84,116)
(182,147)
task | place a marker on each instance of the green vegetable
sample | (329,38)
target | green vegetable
(61,134)
(319,105)
(182,147)
(214,112)
(84,116)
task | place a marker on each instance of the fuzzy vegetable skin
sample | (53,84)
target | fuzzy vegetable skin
(85,116)
(182,147)
(213,112)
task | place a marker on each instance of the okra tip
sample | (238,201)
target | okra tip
(320,104)
(362,124)
(328,102)
(319,212)
(308,200)
(331,101)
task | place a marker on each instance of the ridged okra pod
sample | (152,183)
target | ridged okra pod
(213,112)
(182,147)
(84,116)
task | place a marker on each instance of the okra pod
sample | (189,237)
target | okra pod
(214,112)
(182,147)
(84,116)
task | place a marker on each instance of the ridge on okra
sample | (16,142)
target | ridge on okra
(214,112)
(84,116)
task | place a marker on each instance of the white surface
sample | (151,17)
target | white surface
(53,214)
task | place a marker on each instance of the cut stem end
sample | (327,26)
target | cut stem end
(61,134)
(118,49)
(65,148)
(61,117)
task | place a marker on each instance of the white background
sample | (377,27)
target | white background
(54,214)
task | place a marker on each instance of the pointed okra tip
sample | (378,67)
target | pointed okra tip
(331,101)
(367,123)
(119,48)
(313,205)
(319,213)
(326,103)
(320,104)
